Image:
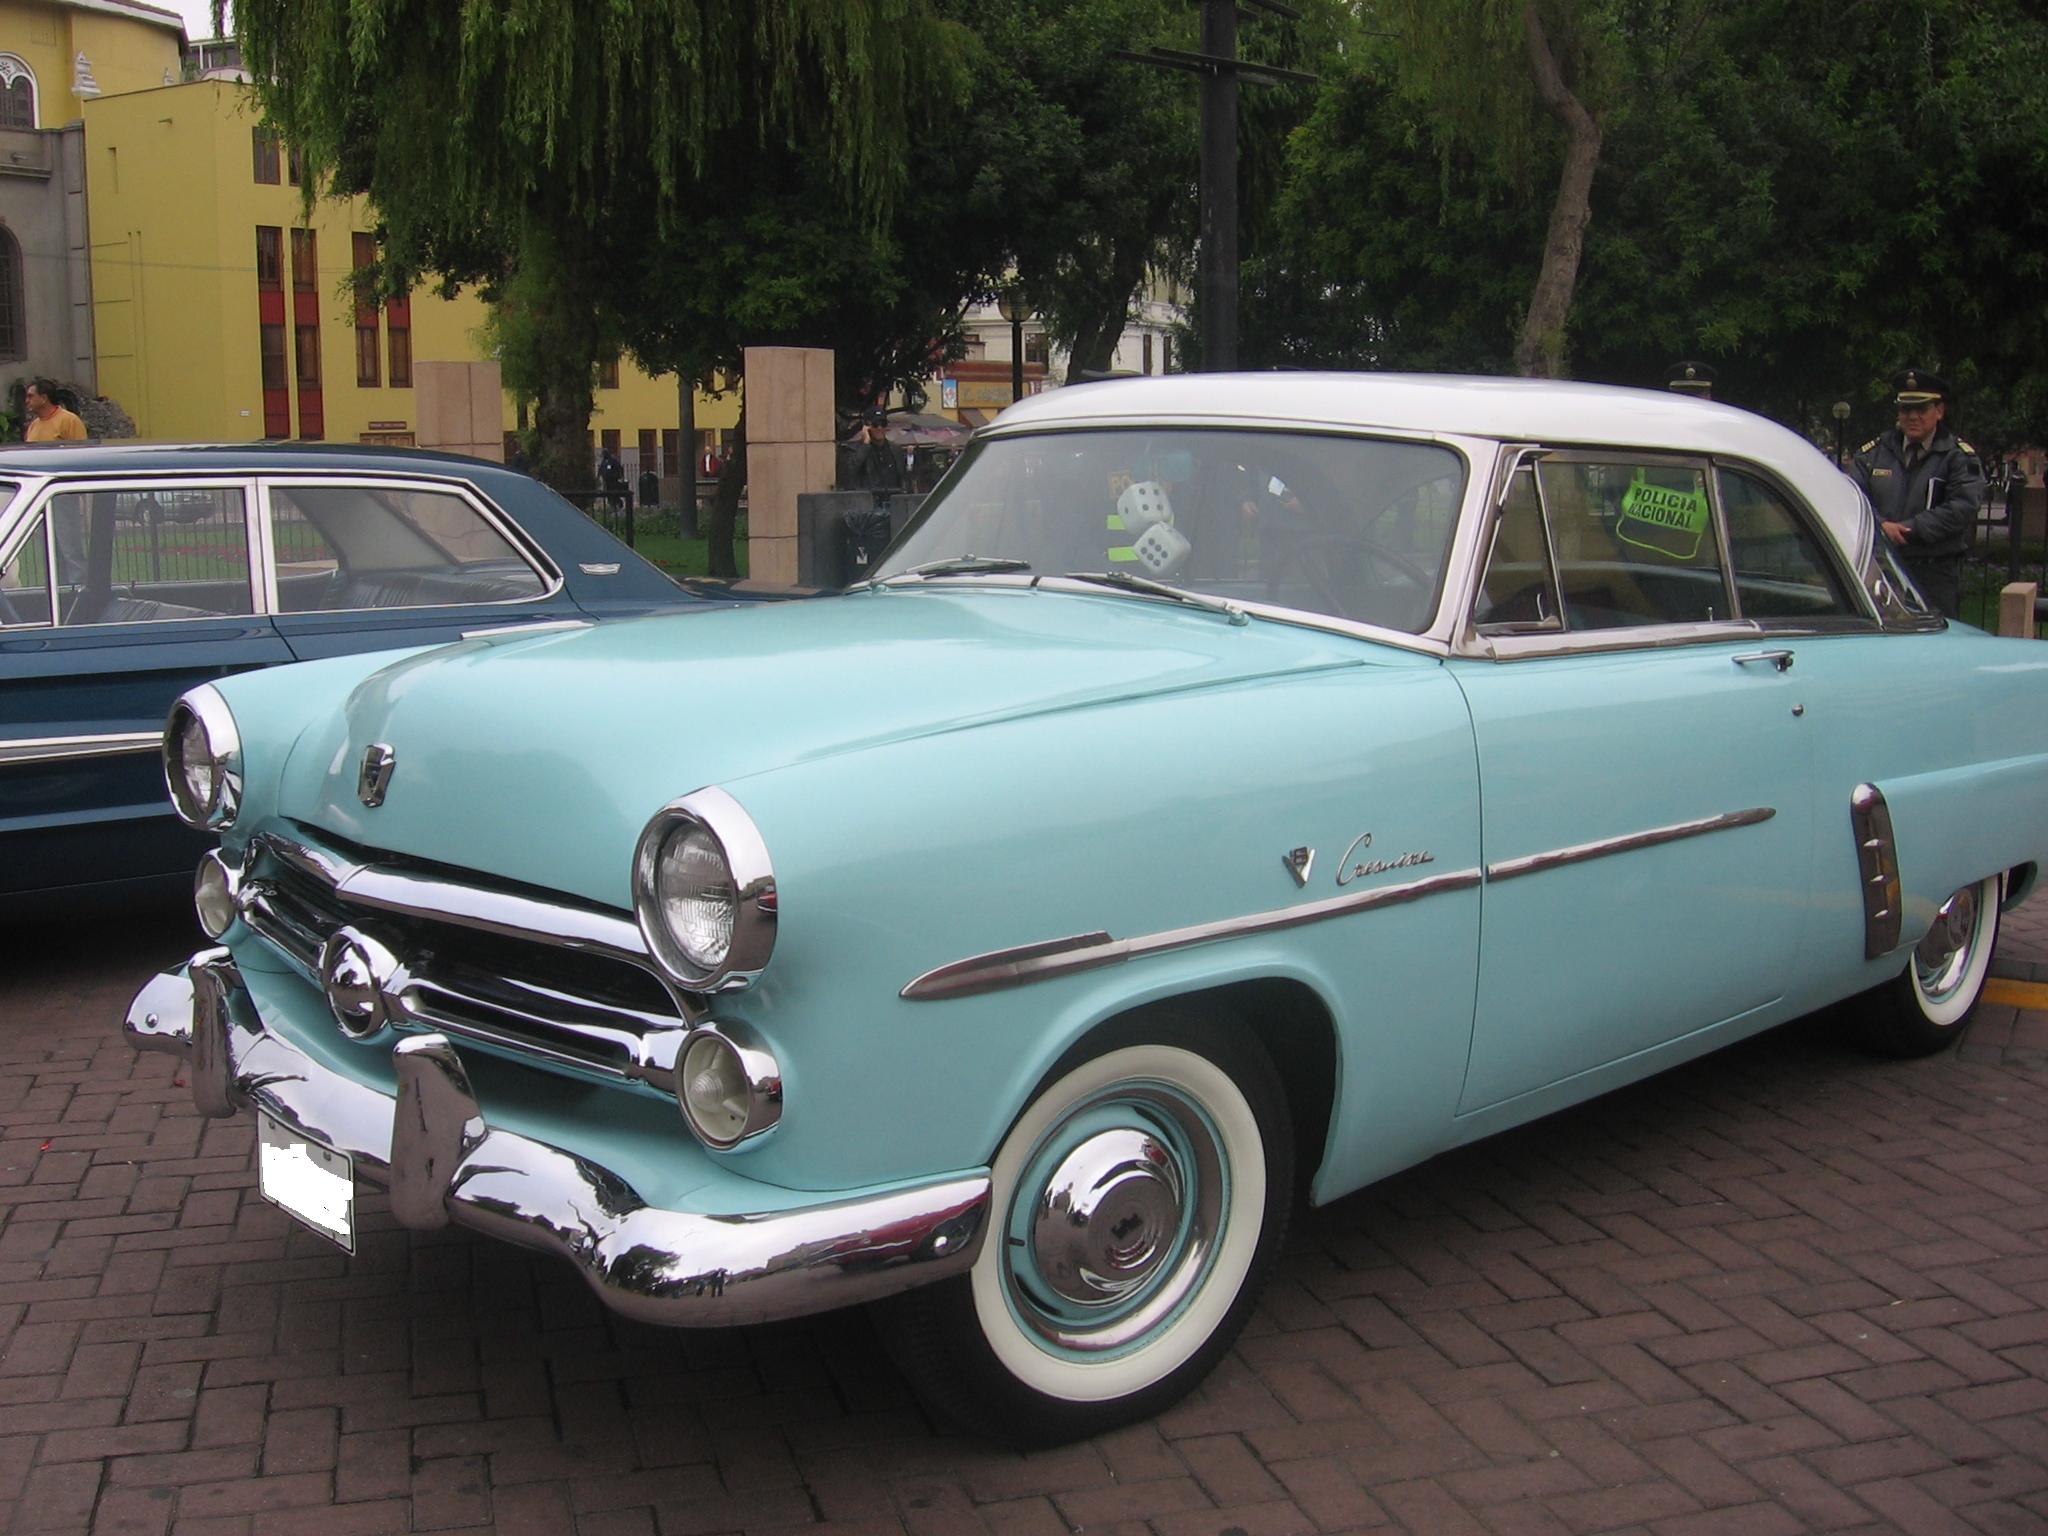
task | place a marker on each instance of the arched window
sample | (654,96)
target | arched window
(17,93)
(13,321)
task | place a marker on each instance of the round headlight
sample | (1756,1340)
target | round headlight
(203,760)
(704,893)
(730,1088)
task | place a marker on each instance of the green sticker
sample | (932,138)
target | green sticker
(1662,520)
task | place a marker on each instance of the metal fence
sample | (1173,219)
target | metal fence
(2007,546)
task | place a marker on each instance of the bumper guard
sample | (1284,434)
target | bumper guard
(442,1162)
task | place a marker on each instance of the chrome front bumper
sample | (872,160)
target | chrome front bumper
(430,1145)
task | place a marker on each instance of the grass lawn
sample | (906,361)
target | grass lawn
(680,556)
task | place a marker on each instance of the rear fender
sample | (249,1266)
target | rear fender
(1957,826)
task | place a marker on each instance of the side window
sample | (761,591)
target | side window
(1634,542)
(1519,591)
(144,554)
(1781,570)
(347,547)
(25,581)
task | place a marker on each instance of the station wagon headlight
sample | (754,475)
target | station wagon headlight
(203,760)
(704,892)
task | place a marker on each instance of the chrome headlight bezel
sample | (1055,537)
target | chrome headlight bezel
(222,802)
(751,1063)
(717,814)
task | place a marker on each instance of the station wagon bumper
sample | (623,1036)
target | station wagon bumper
(442,1162)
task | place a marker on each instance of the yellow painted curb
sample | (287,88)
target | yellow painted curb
(2017,994)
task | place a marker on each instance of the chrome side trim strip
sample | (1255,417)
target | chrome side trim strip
(1877,864)
(1556,858)
(1027,963)
(52,749)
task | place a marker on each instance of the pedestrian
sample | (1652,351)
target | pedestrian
(1695,379)
(875,464)
(1925,486)
(611,475)
(49,422)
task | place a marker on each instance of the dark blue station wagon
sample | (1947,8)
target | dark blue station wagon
(131,573)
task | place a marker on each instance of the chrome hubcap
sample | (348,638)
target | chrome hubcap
(1943,957)
(1110,1212)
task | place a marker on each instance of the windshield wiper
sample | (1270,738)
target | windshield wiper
(1152,588)
(958,565)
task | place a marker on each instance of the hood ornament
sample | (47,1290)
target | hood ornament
(375,776)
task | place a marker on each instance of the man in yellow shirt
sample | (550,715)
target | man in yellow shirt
(49,422)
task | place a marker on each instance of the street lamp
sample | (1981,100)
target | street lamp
(1013,307)
(1841,412)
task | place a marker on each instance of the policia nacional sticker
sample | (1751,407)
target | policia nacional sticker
(1662,519)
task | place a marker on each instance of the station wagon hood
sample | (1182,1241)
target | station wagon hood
(540,757)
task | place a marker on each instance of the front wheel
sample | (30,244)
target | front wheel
(1136,1207)
(1930,1004)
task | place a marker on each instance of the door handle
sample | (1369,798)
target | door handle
(1781,660)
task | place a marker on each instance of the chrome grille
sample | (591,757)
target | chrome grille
(533,976)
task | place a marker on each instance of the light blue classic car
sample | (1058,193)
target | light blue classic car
(1227,787)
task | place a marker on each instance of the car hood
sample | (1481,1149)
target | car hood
(539,757)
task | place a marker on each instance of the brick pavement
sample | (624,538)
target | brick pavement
(1786,1289)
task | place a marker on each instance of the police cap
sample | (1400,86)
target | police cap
(1691,379)
(1916,386)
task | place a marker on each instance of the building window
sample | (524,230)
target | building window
(646,449)
(671,450)
(13,311)
(610,437)
(273,357)
(608,373)
(265,145)
(401,351)
(269,258)
(17,93)
(306,345)
(1148,352)
(1037,349)
(1166,354)
(364,250)
(305,261)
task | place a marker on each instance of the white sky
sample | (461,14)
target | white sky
(198,16)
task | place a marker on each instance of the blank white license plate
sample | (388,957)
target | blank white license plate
(314,1182)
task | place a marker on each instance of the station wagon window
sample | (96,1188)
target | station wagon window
(1781,570)
(142,554)
(1352,527)
(347,547)
(25,581)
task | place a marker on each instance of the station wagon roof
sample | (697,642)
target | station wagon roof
(1555,413)
(128,457)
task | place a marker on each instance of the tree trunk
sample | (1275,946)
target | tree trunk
(725,505)
(1095,342)
(1540,353)
(686,436)
(566,331)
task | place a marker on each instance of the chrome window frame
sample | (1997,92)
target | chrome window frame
(1473,642)
(12,543)
(1866,617)
(87,483)
(507,528)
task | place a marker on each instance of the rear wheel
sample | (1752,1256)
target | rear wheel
(1930,1004)
(1137,1205)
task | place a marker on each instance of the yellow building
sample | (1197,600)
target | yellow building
(222,310)
(56,55)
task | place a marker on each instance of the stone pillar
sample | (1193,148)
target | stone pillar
(2016,608)
(789,450)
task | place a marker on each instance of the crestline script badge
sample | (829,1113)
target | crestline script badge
(1352,867)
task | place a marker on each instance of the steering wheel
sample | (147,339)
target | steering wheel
(1322,556)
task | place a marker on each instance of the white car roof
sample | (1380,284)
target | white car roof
(1557,413)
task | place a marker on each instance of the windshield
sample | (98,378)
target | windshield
(1352,527)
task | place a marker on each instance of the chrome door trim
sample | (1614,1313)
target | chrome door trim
(1018,966)
(1877,863)
(52,749)
(1557,858)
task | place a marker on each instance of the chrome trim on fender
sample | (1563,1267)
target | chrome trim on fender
(431,1143)
(1557,858)
(53,749)
(1877,864)
(1027,963)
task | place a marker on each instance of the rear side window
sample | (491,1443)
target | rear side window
(1781,569)
(25,580)
(346,547)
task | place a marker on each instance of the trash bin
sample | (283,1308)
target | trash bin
(650,488)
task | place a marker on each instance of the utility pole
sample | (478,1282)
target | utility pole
(1221,69)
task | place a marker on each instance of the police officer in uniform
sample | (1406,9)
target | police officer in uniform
(1926,486)
(1695,379)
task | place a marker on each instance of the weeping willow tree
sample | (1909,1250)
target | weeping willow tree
(1502,79)
(546,141)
